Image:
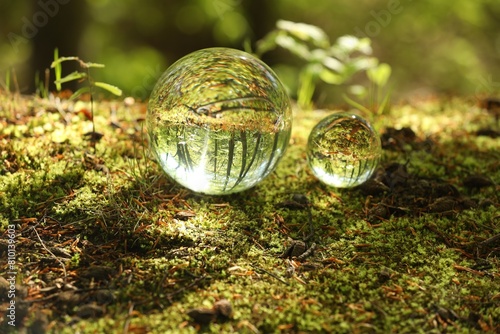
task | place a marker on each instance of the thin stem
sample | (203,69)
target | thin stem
(48,250)
(46,85)
(91,101)
(14,80)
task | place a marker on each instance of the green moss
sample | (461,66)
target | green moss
(171,250)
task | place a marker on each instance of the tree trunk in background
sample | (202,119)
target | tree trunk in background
(261,16)
(63,30)
(258,14)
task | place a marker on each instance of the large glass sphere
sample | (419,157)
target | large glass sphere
(343,150)
(219,121)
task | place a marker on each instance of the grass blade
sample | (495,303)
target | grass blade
(79,92)
(57,69)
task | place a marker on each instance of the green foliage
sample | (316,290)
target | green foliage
(56,65)
(379,75)
(410,39)
(42,87)
(86,66)
(377,95)
(57,70)
(331,63)
(10,79)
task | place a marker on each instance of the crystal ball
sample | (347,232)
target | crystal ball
(218,120)
(343,150)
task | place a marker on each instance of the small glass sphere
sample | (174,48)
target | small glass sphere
(219,120)
(343,150)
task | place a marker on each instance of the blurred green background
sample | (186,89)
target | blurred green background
(433,47)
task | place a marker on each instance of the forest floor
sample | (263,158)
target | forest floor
(106,243)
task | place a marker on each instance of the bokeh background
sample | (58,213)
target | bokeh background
(433,47)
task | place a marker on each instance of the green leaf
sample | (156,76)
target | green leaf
(365,46)
(60,60)
(318,55)
(351,44)
(95,65)
(305,32)
(110,88)
(247,45)
(347,45)
(361,63)
(72,76)
(267,43)
(307,86)
(380,74)
(290,44)
(358,90)
(331,77)
(333,64)
(79,92)
(57,69)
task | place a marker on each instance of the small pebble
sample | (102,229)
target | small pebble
(202,316)
(223,308)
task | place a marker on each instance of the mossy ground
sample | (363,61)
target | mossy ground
(106,243)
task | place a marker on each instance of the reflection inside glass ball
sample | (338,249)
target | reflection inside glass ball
(219,120)
(343,150)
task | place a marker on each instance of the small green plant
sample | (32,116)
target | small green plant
(42,86)
(378,95)
(86,66)
(332,63)
(75,260)
(57,69)
(10,79)
(79,76)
